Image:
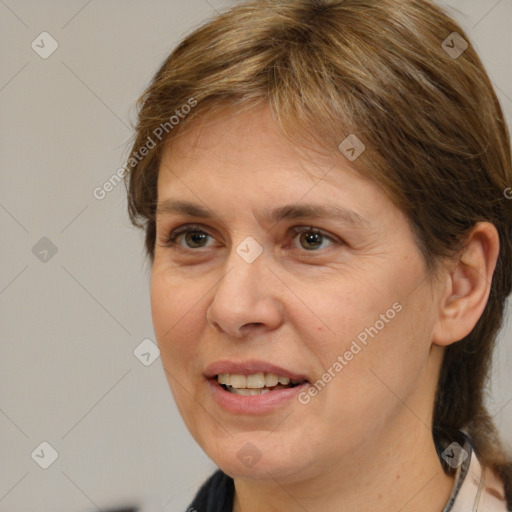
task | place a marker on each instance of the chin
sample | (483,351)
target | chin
(253,455)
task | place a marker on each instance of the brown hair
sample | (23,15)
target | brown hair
(435,136)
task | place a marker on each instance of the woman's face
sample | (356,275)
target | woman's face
(282,267)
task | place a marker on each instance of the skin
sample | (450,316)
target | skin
(364,442)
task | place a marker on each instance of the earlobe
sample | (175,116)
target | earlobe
(467,285)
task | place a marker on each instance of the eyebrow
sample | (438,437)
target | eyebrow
(292,211)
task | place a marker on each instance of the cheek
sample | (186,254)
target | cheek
(176,309)
(385,359)
(346,311)
(373,322)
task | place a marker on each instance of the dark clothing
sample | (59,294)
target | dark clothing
(215,495)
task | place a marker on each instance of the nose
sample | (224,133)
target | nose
(247,299)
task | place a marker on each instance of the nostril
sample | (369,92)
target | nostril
(252,325)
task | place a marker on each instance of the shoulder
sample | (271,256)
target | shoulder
(493,492)
(481,489)
(215,495)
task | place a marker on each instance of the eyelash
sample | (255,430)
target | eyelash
(173,235)
(170,240)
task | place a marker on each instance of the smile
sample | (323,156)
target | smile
(253,387)
(255,384)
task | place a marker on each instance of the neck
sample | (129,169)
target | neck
(400,471)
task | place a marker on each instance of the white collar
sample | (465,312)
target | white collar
(476,488)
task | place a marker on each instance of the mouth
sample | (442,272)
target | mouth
(255,384)
(253,387)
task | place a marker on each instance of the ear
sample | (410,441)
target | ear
(467,285)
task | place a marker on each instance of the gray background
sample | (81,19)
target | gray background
(71,320)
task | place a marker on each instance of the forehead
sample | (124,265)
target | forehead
(250,143)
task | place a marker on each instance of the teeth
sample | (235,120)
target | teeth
(238,381)
(271,379)
(224,378)
(256,381)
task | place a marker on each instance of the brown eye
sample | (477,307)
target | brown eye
(312,239)
(189,237)
(196,239)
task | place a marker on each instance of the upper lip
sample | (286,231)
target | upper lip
(250,367)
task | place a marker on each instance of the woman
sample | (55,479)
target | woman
(321,184)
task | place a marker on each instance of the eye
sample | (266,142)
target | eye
(189,237)
(312,239)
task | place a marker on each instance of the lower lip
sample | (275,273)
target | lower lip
(256,404)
